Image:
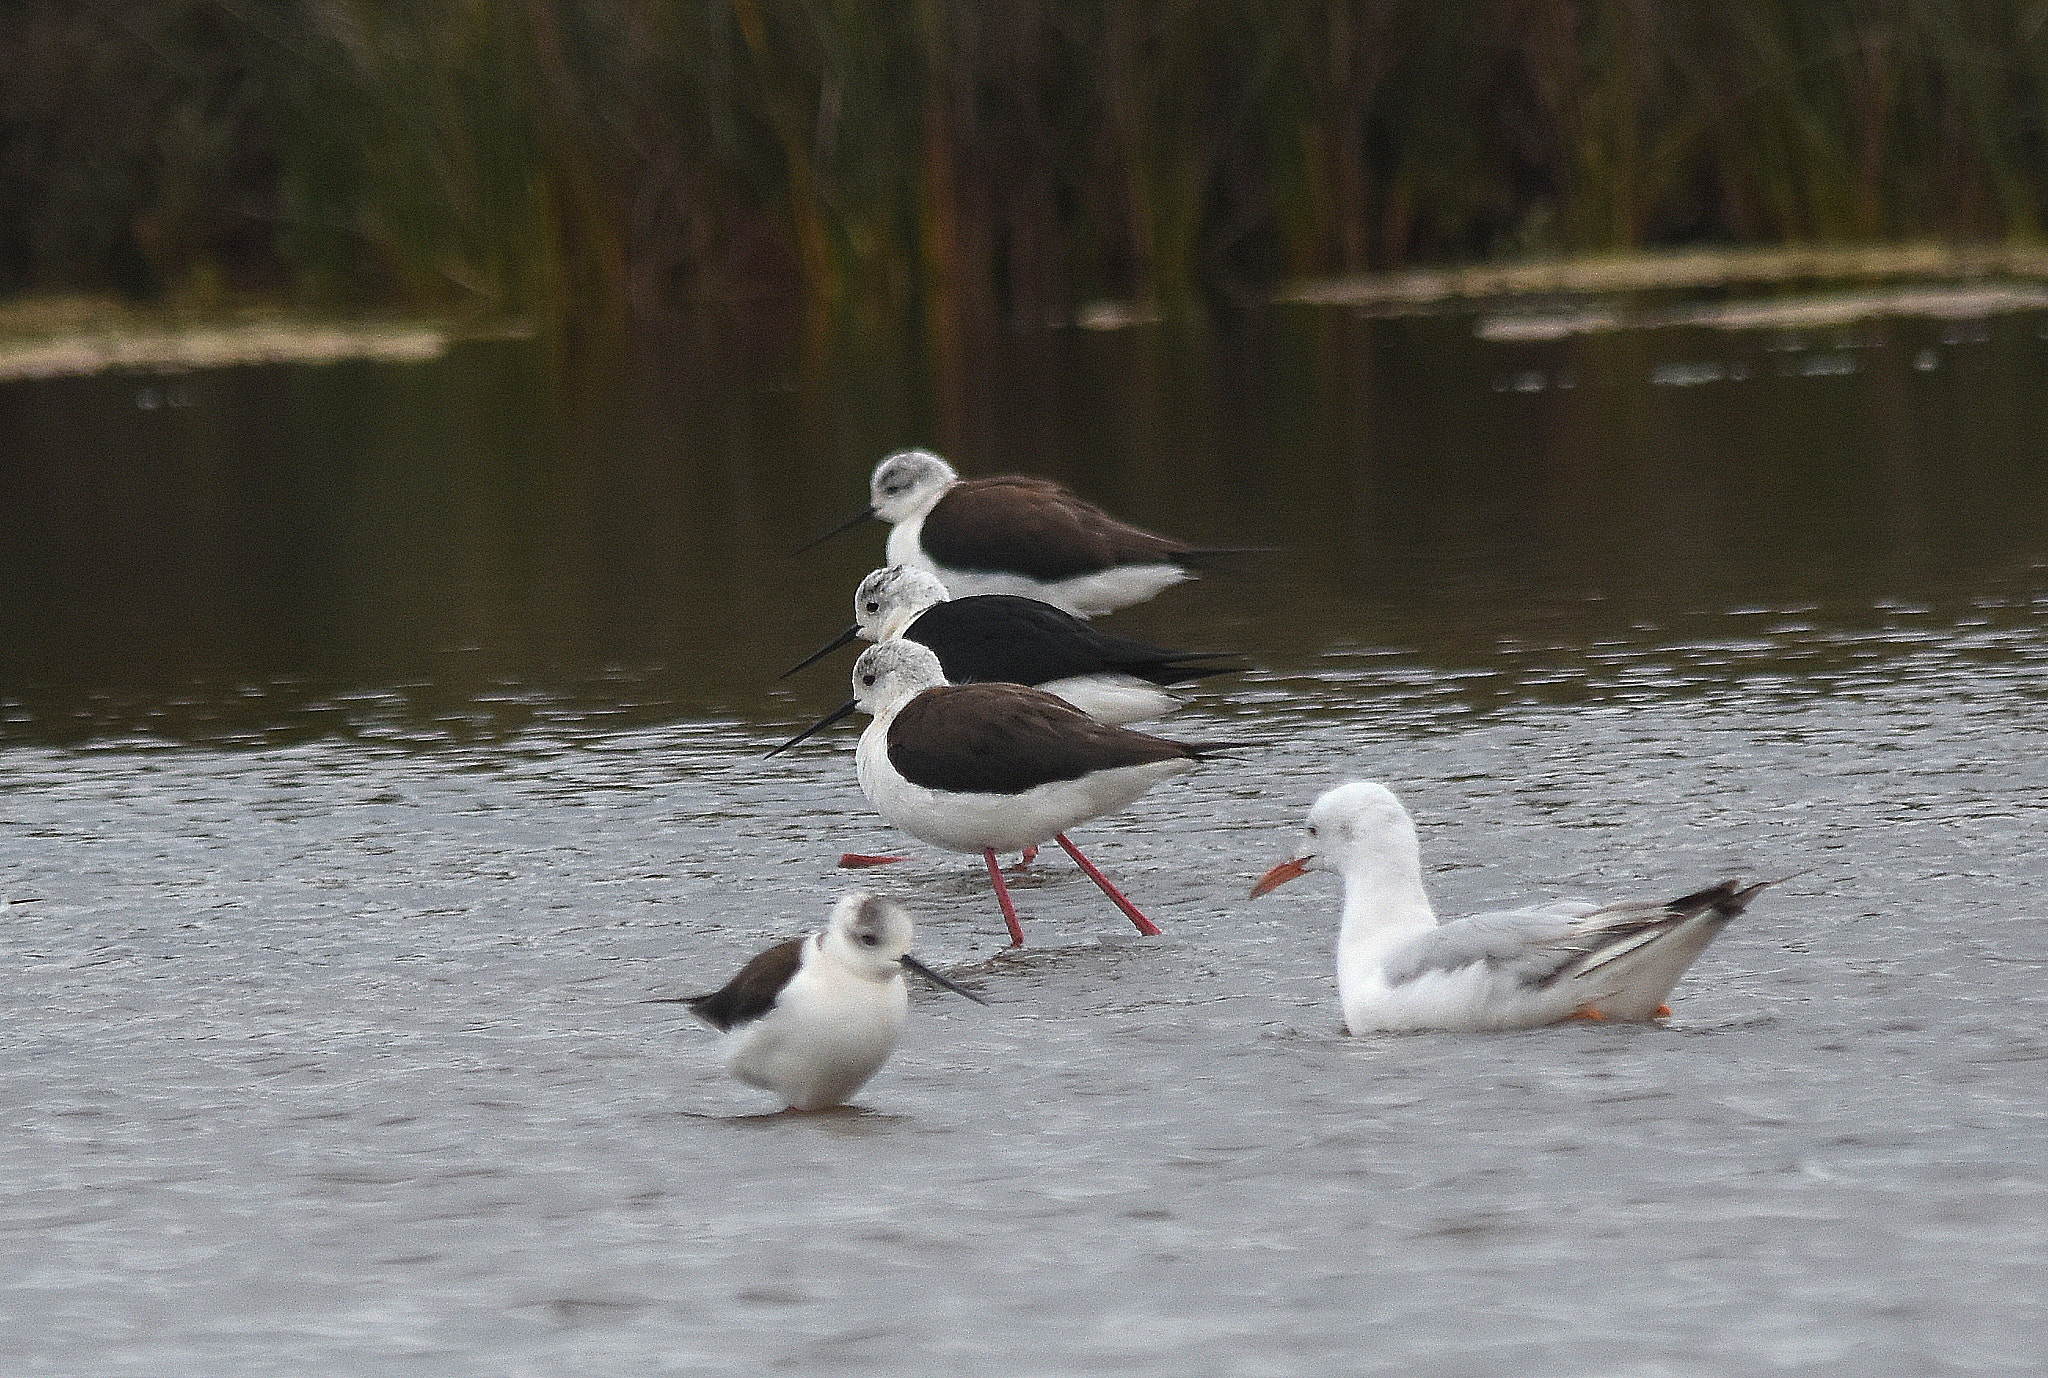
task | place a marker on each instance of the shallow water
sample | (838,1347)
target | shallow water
(364,792)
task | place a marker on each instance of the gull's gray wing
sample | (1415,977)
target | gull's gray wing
(1533,945)
(1538,946)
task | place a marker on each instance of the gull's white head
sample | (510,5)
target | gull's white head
(888,599)
(907,483)
(1354,823)
(869,935)
(892,672)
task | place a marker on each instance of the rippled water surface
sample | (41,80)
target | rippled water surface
(378,741)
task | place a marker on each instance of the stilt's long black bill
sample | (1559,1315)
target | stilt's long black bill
(922,970)
(834,716)
(815,656)
(851,522)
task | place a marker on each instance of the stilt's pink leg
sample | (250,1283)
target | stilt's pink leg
(995,873)
(855,861)
(1029,855)
(1145,925)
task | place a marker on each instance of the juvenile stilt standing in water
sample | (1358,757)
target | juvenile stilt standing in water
(813,1018)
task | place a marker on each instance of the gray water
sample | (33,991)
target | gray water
(377,742)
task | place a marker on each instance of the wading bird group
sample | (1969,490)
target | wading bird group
(998,722)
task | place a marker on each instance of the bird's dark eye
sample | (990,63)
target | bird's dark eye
(867,681)
(869,940)
(1311,830)
(872,607)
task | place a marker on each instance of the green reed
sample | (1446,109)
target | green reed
(569,158)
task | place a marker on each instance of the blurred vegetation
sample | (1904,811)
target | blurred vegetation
(567,158)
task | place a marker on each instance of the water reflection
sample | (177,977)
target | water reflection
(352,1030)
(464,548)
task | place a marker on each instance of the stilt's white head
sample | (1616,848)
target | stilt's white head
(888,599)
(893,671)
(869,935)
(908,482)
